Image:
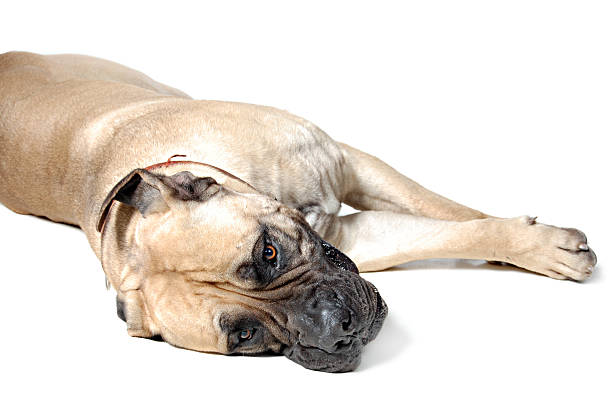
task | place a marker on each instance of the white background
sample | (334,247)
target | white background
(503,106)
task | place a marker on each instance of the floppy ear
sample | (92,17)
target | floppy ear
(152,193)
(131,309)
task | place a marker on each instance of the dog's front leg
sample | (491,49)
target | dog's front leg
(371,184)
(377,240)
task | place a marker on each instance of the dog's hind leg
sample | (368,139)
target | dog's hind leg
(370,184)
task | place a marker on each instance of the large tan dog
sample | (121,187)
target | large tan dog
(220,251)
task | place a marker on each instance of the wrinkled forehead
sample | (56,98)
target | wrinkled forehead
(201,315)
(194,315)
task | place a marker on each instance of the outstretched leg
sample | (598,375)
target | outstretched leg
(376,240)
(370,184)
(401,221)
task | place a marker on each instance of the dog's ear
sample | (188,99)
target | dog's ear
(187,187)
(152,193)
(131,309)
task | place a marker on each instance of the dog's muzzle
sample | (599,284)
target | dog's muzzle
(338,314)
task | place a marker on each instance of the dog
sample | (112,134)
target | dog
(217,223)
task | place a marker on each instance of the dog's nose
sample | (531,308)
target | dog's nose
(336,319)
(326,322)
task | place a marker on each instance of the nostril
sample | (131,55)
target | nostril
(340,345)
(346,324)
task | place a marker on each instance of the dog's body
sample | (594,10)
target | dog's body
(72,127)
(93,132)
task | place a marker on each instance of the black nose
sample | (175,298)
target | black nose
(326,322)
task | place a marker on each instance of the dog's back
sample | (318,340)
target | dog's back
(42,70)
(44,102)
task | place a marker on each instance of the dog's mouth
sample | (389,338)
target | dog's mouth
(318,359)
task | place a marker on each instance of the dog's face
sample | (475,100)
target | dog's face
(221,268)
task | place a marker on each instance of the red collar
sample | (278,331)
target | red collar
(170,162)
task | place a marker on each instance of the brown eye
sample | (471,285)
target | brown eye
(269,253)
(246,334)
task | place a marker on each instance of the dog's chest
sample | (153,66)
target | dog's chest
(293,161)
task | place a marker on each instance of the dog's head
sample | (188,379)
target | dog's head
(217,267)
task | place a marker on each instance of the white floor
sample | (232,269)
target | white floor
(458,333)
(503,108)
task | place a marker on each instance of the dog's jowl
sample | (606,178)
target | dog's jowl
(237,247)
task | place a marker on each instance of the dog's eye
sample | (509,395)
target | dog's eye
(246,334)
(269,253)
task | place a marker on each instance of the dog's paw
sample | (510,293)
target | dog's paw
(555,252)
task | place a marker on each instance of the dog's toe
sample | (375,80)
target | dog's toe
(561,253)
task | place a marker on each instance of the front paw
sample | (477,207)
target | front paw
(559,253)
